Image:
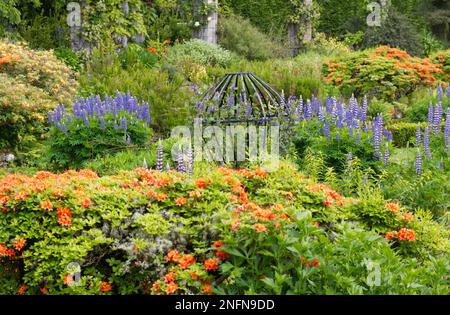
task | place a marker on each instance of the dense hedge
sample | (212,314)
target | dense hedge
(221,233)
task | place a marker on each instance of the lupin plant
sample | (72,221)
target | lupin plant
(159,158)
(95,126)
(181,168)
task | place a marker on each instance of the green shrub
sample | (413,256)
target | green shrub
(385,73)
(110,164)
(200,52)
(240,36)
(164,89)
(403,133)
(396,30)
(30,83)
(239,231)
(72,59)
(95,128)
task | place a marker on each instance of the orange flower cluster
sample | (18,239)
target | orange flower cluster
(19,244)
(211,264)
(152,177)
(330,196)
(8,58)
(64,216)
(47,205)
(309,263)
(5,251)
(407,217)
(105,286)
(22,289)
(394,207)
(222,255)
(185,261)
(202,182)
(172,255)
(181,201)
(404,234)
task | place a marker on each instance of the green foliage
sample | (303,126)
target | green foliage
(164,89)
(308,137)
(72,149)
(72,59)
(403,133)
(30,83)
(46,32)
(107,18)
(240,36)
(395,31)
(110,164)
(200,52)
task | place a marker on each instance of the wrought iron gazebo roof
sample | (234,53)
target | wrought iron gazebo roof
(241,98)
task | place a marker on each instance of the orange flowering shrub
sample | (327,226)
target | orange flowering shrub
(152,232)
(385,72)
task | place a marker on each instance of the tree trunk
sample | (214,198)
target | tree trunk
(293,40)
(308,33)
(207,32)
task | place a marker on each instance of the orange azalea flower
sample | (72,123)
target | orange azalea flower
(86,203)
(194,276)
(58,192)
(394,207)
(4,199)
(186,261)
(44,291)
(151,193)
(181,201)
(405,234)
(22,289)
(19,244)
(152,50)
(68,279)
(173,255)
(202,182)
(211,264)
(167,42)
(315,262)
(408,217)
(171,288)
(161,197)
(222,254)
(105,286)
(243,196)
(260,228)
(170,277)
(218,244)
(64,216)
(47,205)
(389,235)
(259,172)
(21,195)
(235,224)
(207,289)
(155,286)
(5,251)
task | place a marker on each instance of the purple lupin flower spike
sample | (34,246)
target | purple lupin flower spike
(102,122)
(159,158)
(426,143)
(418,136)
(190,161)
(326,129)
(358,138)
(350,156)
(439,93)
(447,129)
(386,155)
(181,168)
(447,91)
(418,163)
(430,115)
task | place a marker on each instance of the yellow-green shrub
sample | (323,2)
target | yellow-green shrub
(31,82)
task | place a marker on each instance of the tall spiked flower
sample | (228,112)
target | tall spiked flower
(426,143)
(159,158)
(326,129)
(190,161)
(418,136)
(437,119)
(180,162)
(430,116)
(386,155)
(439,92)
(418,163)
(447,129)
